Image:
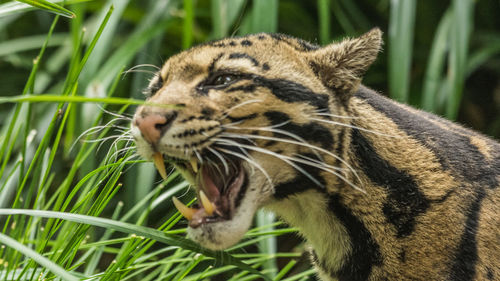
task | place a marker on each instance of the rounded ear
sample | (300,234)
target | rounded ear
(341,65)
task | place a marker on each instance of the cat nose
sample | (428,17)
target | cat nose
(154,125)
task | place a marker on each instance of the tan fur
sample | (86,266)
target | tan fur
(371,153)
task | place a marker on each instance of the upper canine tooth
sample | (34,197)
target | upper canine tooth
(183,209)
(194,164)
(207,205)
(160,164)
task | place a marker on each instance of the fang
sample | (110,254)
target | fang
(160,164)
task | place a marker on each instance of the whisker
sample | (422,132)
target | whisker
(353,127)
(304,144)
(226,113)
(122,116)
(221,158)
(250,161)
(276,131)
(268,152)
(328,168)
(336,116)
(135,69)
(198,155)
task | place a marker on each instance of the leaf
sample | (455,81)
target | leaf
(147,232)
(48,6)
(401,26)
(76,99)
(435,65)
(462,23)
(43,261)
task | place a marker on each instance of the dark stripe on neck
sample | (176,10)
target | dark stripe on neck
(404,201)
(454,151)
(300,182)
(312,131)
(464,265)
(365,253)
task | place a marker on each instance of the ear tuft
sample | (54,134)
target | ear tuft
(340,66)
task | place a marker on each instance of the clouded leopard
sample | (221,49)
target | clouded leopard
(381,191)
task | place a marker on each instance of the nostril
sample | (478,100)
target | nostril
(164,126)
(153,126)
(161,126)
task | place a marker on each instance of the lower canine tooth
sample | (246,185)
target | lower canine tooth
(207,205)
(160,164)
(194,164)
(183,209)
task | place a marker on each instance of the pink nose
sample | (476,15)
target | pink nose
(153,126)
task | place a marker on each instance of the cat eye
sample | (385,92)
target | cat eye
(223,80)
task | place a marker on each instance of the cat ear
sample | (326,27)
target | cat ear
(340,66)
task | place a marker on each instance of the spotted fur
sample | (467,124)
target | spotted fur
(381,191)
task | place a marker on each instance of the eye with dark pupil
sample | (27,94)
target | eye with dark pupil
(224,79)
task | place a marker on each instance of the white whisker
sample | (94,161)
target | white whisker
(301,143)
(221,158)
(353,127)
(337,116)
(251,162)
(226,113)
(268,152)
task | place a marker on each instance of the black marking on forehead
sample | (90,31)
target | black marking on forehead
(312,131)
(297,44)
(254,61)
(285,90)
(261,37)
(232,43)
(218,44)
(405,202)
(265,66)
(365,252)
(466,257)
(246,43)
(300,183)
(214,61)
(453,150)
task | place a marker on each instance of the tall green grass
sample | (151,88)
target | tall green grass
(75,201)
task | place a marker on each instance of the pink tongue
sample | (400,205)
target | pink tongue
(208,186)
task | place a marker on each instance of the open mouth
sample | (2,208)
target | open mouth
(219,188)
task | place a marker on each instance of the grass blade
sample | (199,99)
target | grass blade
(269,245)
(434,72)
(224,13)
(400,45)
(75,99)
(43,261)
(147,232)
(187,27)
(324,21)
(48,6)
(265,16)
(459,38)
